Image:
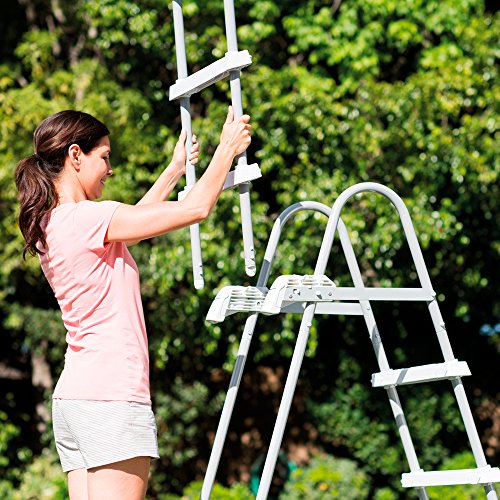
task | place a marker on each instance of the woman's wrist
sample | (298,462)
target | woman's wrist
(226,148)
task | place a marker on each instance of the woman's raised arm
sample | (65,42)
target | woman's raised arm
(138,222)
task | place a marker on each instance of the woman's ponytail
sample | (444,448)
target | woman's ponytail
(36,175)
(37,197)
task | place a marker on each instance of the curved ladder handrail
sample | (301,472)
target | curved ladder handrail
(335,222)
(411,238)
(277,229)
(246,338)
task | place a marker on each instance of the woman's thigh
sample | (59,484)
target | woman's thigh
(125,480)
(77,484)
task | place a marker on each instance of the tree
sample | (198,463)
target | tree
(401,93)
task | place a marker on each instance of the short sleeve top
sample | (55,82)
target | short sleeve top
(97,287)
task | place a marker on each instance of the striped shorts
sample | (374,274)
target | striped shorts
(94,433)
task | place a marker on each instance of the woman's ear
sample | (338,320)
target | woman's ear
(74,155)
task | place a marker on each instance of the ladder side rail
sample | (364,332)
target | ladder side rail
(461,397)
(244,346)
(286,401)
(244,188)
(381,356)
(274,238)
(227,409)
(411,237)
(472,434)
(185,109)
(295,365)
(424,279)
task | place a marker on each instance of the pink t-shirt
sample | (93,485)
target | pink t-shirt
(97,287)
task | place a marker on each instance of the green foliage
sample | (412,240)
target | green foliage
(178,416)
(8,431)
(402,93)
(345,421)
(327,477)
(193,491)
(43,479)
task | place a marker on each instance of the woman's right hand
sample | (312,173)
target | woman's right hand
(236,134)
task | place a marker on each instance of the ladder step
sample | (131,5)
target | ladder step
(233,299)
(241,174)
(418,374)
(326,293)
(214,72)
(292,288)
(331,308)
(482,475)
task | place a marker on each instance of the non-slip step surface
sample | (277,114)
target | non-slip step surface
(419,374)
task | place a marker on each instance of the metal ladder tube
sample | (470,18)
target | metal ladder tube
(250,323)
(461,397)
(381,356)
(244,188)
(424,279)
(182,72)
(286,401)
(293,374)
(407,227)
(227,409)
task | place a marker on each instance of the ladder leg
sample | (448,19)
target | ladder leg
(227,410)
(472,434)
(381,356)
(247,229)
(286,401)
(458,389)
(404,433)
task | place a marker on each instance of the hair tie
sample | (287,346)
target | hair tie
(38,158)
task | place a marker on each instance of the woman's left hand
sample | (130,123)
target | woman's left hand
(194,156)
(179,157)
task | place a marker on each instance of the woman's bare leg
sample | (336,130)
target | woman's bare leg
(77,484)
(125,480)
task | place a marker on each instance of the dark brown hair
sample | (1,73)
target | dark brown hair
(35,175)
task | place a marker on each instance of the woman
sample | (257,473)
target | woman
(104,428)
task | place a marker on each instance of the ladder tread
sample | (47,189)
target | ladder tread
(232,61)
(241,174)
(419,374)
(482,475)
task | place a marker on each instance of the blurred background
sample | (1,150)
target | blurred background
(398,92)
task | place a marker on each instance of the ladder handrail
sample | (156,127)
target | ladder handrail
(246,339)
(185,109)
(411,238)
(277,229)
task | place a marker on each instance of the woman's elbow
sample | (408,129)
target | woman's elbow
(205,212)
(199,211)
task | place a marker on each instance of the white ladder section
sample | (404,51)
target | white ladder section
(228,66)
(317,294)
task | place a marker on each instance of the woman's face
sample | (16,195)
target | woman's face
(95,169)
